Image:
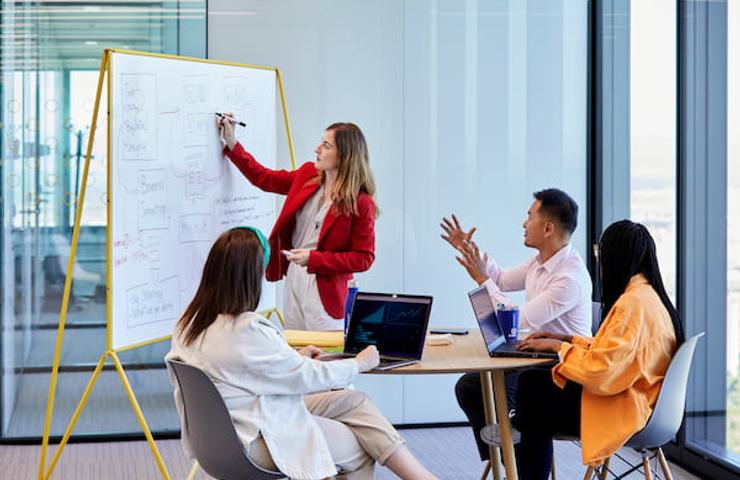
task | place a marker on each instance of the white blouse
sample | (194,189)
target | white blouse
(262,381)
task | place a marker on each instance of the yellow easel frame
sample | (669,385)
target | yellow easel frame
(105,73)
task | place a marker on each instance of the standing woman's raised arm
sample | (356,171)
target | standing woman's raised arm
(268,180)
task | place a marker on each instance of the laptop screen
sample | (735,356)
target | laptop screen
(396,324)
(488,322)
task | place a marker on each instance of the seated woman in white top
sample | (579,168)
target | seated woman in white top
(279,398)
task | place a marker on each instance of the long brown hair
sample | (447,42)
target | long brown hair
(231,282)
(354,176)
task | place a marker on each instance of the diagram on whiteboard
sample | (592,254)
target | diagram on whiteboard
(139,126)
(173,192)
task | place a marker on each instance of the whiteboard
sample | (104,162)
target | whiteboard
(171,190)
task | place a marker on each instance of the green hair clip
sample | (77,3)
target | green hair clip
(263,241)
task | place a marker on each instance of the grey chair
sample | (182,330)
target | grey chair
(667,415)
(210,431)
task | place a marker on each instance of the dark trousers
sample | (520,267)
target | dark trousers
(543,411)
(469,393)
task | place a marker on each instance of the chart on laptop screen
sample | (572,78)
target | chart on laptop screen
(396,326)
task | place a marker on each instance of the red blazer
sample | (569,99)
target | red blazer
(346,242)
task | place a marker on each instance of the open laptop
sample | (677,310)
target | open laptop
(490,328)
(396,324)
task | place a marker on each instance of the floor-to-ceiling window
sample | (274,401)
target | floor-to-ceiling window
(666,141)
(733,229)
(652,132)
(709,235)
(50,58)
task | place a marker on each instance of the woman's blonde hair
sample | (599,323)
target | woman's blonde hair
(354,176)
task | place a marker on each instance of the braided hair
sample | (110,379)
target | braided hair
(626,249)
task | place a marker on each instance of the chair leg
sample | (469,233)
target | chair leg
(664,465)
(553,475)
(589,473)
(604,471)
(486,471)
(646,466)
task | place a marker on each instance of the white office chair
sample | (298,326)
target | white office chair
(665,420)
(667,415)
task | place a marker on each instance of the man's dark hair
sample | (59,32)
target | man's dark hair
(558,207)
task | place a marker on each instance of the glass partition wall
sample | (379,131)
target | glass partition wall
(50,59)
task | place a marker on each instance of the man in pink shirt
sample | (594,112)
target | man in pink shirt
(556,283)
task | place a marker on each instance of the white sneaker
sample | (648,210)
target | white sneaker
(491,434)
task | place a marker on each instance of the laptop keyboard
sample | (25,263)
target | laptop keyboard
(511,351)
(509,347)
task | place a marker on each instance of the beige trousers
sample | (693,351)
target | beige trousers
(357,434)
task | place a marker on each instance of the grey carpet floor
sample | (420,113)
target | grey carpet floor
(448,452)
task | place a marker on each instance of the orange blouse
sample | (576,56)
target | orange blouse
(621,369)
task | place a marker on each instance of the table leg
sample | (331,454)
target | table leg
(502,411)
(490,410)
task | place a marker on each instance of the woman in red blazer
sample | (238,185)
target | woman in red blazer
(326,229)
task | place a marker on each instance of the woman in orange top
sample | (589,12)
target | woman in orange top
(604,388)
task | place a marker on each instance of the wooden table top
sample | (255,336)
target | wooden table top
(466,353)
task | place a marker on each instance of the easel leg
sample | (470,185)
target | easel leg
(502,411)
(268,314)
(494,461)
(193,470)
(140,416)
(76,415)
(68,280)
(288,132)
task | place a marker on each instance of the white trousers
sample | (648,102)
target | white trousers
(302,305)
(356,432)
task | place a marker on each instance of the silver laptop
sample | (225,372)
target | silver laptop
(395,323)
(493,334)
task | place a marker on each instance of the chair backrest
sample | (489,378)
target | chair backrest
(595,317)
(669,408)
(210,431)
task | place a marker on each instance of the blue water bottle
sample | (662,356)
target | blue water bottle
(351,294)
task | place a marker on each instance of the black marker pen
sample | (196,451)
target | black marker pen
(236,122)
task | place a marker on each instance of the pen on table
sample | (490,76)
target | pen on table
(236,122)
